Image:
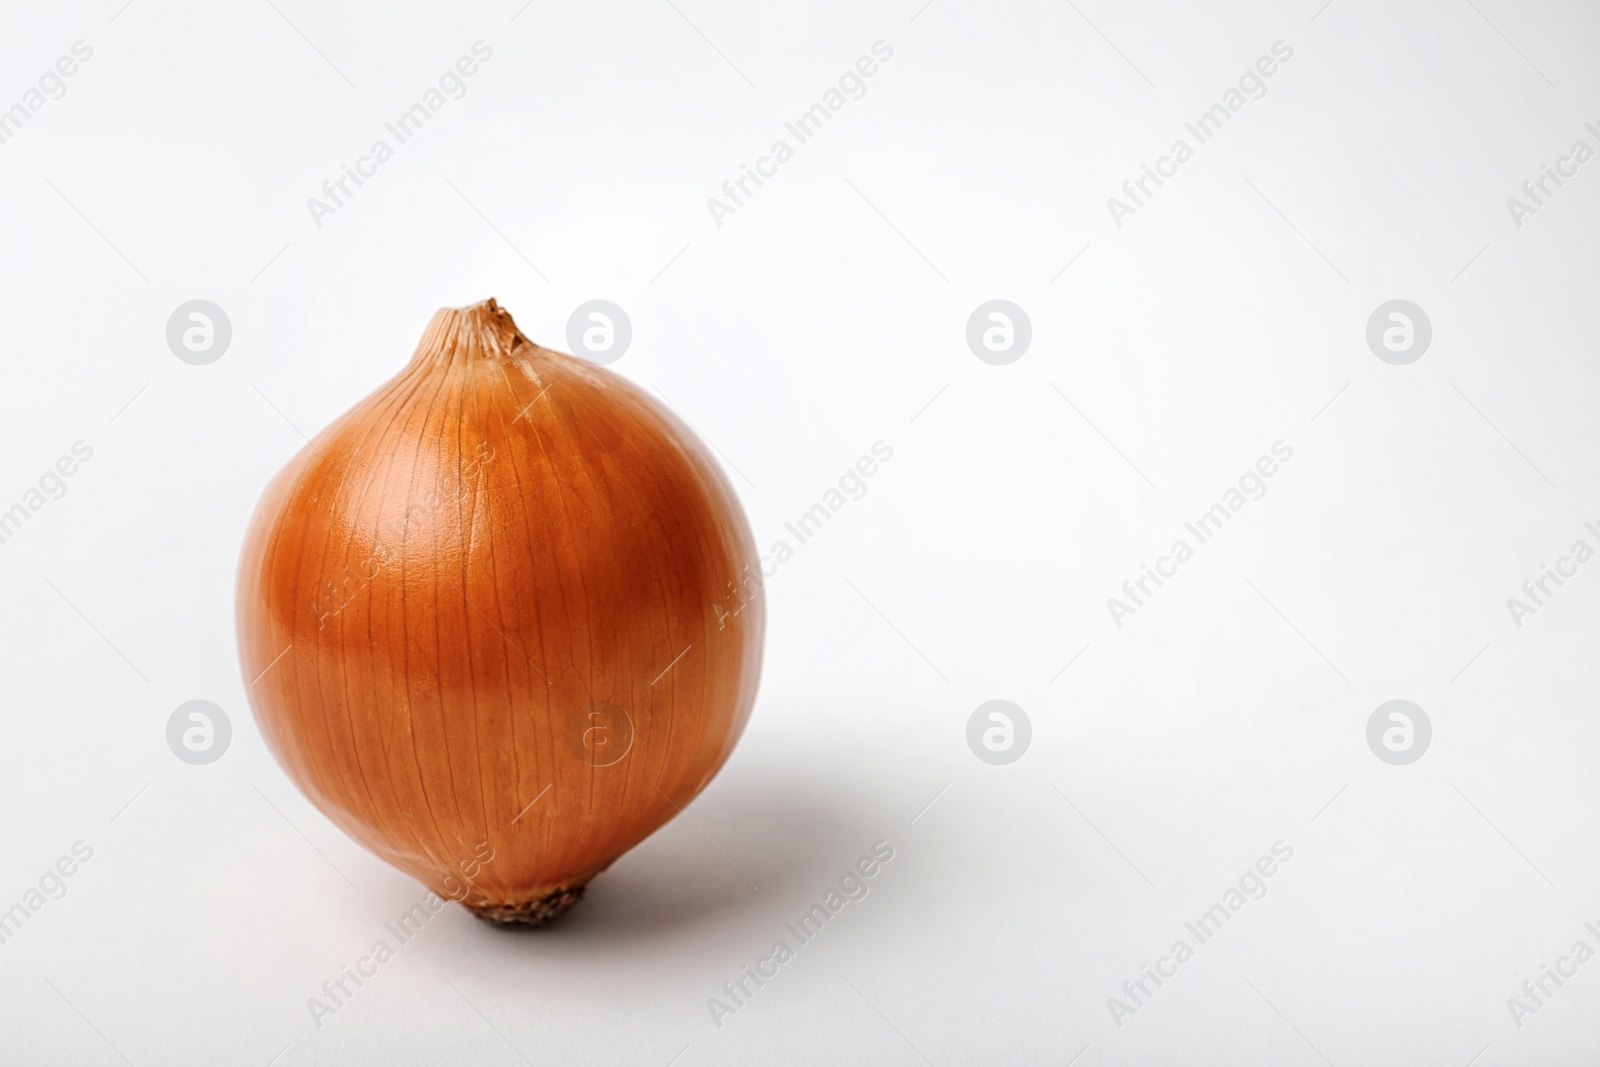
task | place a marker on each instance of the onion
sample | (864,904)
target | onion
(479,616)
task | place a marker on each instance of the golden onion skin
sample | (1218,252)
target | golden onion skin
(502,619)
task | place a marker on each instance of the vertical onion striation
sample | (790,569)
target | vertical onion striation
(477,616)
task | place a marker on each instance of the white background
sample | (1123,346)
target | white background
(825,315)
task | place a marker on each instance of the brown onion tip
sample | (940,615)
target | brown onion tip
(483,330)
(536,912)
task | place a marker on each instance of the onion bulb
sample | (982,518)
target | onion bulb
(483,618)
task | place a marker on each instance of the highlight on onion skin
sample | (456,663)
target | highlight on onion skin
(487,612)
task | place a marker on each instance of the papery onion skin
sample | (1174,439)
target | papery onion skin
(439,595)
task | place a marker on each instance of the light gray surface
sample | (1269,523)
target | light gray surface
(831,311)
